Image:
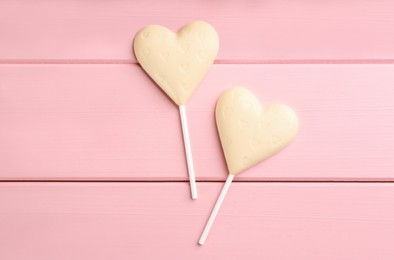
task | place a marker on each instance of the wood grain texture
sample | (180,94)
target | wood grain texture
(257,221)
(110,122)
(250,31)
(75,106)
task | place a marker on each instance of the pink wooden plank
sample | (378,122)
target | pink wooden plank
(110,122)
(71,31)
(257,221)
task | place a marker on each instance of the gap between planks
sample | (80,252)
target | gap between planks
(206,181)
(246,61)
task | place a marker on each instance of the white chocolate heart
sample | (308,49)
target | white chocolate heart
(177,62)
(250,133)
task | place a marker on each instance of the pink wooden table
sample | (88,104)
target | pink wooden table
(91,157)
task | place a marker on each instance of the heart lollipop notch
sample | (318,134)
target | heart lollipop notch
(177,61)
(249,132)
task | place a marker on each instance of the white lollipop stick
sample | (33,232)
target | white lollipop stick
(188,150)
(216,209)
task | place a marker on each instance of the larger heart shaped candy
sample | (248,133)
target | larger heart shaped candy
(250,133)
(177,61)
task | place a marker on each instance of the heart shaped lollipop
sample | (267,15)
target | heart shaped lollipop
(249,134)
(177,62)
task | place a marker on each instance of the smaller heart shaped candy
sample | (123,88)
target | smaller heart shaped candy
(250,133)
(177,61)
